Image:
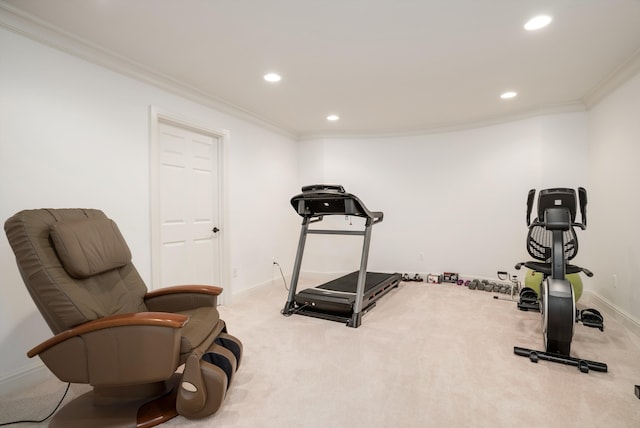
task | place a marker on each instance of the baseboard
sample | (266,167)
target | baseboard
(24,378)
(627,320)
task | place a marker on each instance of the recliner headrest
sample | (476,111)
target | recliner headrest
(89,247)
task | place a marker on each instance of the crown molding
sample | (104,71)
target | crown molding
(567,107)
(617,77)
(42,32)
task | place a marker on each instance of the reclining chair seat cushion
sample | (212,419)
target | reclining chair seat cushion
(89,247)
(199,327)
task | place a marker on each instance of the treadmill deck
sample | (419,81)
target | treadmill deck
(335,299)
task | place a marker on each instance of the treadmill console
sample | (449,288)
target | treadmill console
(318,200)
(321,187)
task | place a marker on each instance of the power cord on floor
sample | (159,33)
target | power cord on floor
(298,309)
(41,420)
(282,274)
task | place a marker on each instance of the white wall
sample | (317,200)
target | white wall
(614,204)
(74,134)
(452,202)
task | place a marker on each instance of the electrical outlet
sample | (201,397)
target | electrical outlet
(615,281)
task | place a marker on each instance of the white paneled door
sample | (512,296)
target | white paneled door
(188,203)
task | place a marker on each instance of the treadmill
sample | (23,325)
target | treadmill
(347,298)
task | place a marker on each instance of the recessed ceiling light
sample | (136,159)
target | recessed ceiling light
(332,117)
(537,22)
(508,95)
(272,77)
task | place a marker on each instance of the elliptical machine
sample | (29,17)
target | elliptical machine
(552,241)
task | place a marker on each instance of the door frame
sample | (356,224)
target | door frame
(158,116)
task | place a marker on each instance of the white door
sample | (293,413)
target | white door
(188,197)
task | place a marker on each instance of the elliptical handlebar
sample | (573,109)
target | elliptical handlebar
(530,196)
(582,198)
(582,226)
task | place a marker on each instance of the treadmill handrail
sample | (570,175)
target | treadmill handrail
(377,216)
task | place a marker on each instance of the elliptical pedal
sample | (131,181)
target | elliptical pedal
(529,300)
(592,318)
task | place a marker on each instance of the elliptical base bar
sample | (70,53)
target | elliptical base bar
(583,365)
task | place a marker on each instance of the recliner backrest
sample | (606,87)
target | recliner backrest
(75,265)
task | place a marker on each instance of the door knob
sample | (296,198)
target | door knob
(215,229)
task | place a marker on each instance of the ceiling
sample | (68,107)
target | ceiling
(384,66)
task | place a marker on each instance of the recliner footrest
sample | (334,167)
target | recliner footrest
(231,343)
(207,377)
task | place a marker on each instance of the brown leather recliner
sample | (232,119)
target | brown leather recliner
(111,333)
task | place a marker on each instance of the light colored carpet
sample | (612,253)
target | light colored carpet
(427,356)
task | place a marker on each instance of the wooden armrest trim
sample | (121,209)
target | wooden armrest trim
(200,289)
(162,319)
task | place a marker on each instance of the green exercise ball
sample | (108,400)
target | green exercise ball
(533,280)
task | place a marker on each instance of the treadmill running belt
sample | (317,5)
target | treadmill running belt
(348,283)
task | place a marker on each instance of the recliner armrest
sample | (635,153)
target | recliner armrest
(182,297)
(115,349)
(200,289)
(140,318)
